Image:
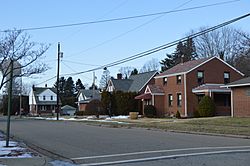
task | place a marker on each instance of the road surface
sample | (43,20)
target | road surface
(86,145)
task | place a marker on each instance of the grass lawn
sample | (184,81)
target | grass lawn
(218,125)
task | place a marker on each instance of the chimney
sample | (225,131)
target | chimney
(45,85)
(119,76)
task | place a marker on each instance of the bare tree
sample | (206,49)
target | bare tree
(105,78)
(126,71)
(16,47)
(225,42)
(151,65)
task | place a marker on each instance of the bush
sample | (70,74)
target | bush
(206,107)
(178,115)
(149,111)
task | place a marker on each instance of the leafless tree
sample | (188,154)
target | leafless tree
(16,46)
(223,42)
(126,71)
(151,65)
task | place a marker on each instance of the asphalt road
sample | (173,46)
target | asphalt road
(86,144)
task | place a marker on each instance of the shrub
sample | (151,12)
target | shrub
(206,107)
(178,115)
(149,111)
(196,114)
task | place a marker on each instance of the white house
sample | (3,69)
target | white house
(42,100)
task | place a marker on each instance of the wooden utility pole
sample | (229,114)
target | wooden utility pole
(57,82)
(9,103)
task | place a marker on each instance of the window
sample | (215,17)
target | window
(44,98)
(226,77)
(170,100)
(51,97)
(200,97)
(179,103)
(178,79)
(200,76)
(165,80)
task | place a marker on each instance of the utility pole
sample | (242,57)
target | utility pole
(59,55)
(57,82)
(21,88)
(9,103)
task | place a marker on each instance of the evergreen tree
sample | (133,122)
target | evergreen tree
(184,52)
(134,72)
(61,88)
(79,85)
(69,88)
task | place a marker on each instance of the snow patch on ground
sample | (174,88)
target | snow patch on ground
(102,118)
(13,151)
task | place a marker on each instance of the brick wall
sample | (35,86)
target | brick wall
(213,74)
(241,102)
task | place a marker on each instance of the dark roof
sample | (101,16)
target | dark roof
(134,83)
(122,84)
(38,90)
(241,82)
(155,89)
(184,67)
(140,80)
(89,93)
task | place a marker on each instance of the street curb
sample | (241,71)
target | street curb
(210,134)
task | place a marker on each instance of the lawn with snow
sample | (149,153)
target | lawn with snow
(14,150)
(102,118)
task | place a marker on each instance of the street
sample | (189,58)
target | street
(88,145)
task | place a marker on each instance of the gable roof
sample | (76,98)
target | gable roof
(140,80)
(134,83)
(68,107)
(121,84)
(238,83)
(39,90)
(155,89)
(89,93)
(186,67)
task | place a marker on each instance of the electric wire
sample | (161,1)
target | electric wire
(119,19)
(159,48)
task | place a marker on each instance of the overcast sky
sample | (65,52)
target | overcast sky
(88,46)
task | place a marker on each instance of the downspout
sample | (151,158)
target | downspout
(185,94)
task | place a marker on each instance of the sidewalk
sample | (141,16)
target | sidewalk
(34,161)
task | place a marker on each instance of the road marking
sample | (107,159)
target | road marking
(166,157)
(159,151)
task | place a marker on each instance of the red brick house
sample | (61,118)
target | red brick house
(181,87)
(240,97)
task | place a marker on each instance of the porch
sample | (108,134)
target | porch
(220,95)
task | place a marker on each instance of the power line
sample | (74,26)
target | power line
(120,19)
(159,48)
(131,30)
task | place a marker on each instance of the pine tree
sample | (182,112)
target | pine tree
(185,51)
(69,88)
(79,85)
(134,72)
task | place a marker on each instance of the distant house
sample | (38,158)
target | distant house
(135,83)
(68,110)
(85,97)
(43,101)
(240,97)
(181,87)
